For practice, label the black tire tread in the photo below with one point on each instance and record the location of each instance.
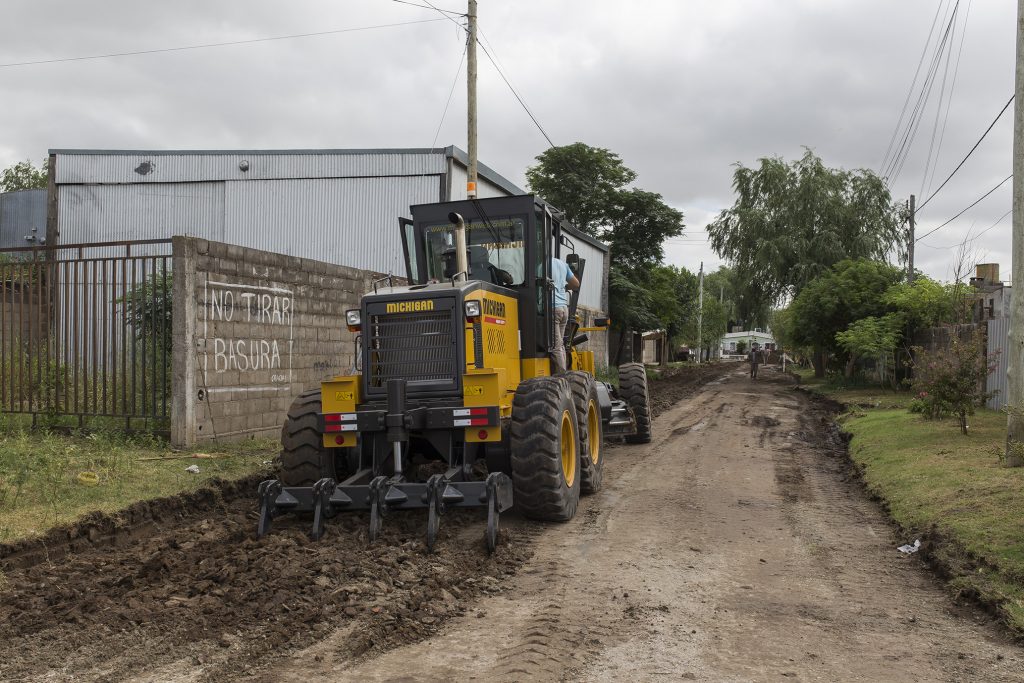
(304, 459)
(538, 483)
(633, 387)
(583, 390)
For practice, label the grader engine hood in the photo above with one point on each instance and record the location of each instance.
(416, 334)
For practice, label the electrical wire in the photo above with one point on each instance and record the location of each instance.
(976, 202)
(970, 239)
(209, 45)
(451, 92)
(964, 160)
(949, 100)
(928, 165)
(910, 91)
(907, 141)
(428, 6)
(520, 99)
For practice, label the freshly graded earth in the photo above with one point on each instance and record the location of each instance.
(735, 547)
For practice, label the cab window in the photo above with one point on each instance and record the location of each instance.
(497, 250)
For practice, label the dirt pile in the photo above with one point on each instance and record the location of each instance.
(208, 590)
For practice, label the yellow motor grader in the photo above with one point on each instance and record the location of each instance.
(453, 401)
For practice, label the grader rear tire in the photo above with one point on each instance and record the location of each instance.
(304, 459)
(633, 387)
(545, 450)
(590, 430)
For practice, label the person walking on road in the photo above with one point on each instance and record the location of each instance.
(563, 279)
(754, 358)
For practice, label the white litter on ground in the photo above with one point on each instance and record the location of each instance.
(908, 549)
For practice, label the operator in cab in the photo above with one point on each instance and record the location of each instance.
(563, 279)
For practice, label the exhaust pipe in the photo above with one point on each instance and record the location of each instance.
(461, 263)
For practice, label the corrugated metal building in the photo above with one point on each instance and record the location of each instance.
(339, 206)
(22, 218)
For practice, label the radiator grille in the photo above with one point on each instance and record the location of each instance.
(417, 347)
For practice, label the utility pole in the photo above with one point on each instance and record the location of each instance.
(471, 100)
(700, 312)
(910, 245)
(1015, 380)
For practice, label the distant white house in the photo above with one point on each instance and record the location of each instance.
(731, 340)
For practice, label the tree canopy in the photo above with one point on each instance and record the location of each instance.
(582, 181)
(23, 176)
(590, 185)
(792, 221)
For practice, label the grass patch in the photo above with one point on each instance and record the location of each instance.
(48, 479)
(949, 488)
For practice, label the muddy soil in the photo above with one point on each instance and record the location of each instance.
(734, 547)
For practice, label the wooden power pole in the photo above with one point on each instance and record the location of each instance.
(700, 312)
(1015, 378)
(910, 244)
(471, 101)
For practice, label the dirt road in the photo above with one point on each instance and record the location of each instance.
(733, 548)
(730, 549)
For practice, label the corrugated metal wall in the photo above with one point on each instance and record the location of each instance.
(176, 167)
(108, 213)
(348, 221)
(22, 213)
(998, 340)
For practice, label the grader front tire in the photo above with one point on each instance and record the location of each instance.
(545, 454)
(591, 430)
(304, 459)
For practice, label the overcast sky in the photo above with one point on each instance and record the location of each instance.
(680, 89)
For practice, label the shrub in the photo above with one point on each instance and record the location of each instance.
(952, 380)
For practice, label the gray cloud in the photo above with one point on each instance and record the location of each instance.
(681, 90)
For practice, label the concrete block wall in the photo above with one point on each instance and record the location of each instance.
(253, 330)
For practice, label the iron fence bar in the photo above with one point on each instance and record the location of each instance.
(134, 333)
(166, 338)
(140, 320)
(66, 333)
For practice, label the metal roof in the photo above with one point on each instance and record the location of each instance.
(372, 161)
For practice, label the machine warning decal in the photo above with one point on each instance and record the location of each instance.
(495, 308)
(472, 390)
(343, 396)
(410, 306)
(496, 321)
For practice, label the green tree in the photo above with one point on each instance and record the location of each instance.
(874, 337)
(673, 296)
(792, 221)
(847, 292)
(23, 176)
(589, 185)
(582, 181)
(925, 303)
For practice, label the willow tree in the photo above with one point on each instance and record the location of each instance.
(792, 221)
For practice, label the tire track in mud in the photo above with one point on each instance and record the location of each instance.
(179, 589)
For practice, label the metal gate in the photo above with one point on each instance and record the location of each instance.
(998, 342)
(85, 334)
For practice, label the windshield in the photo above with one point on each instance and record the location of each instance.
(496, 250)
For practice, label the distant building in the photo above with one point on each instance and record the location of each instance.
(731, 341)
(991, 296)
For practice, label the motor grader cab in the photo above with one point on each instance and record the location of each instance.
(453, 402)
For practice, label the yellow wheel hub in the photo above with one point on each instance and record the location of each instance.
(593, 432)
(568, 449)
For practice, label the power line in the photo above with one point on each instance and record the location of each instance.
(503, 77)
(910, 91)
(970, 239)
(937, 190)
(209, 45)
(949, 100)
(906, 143)
(429, 6)
(455, 82)
(976, 202)
(520, 99)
